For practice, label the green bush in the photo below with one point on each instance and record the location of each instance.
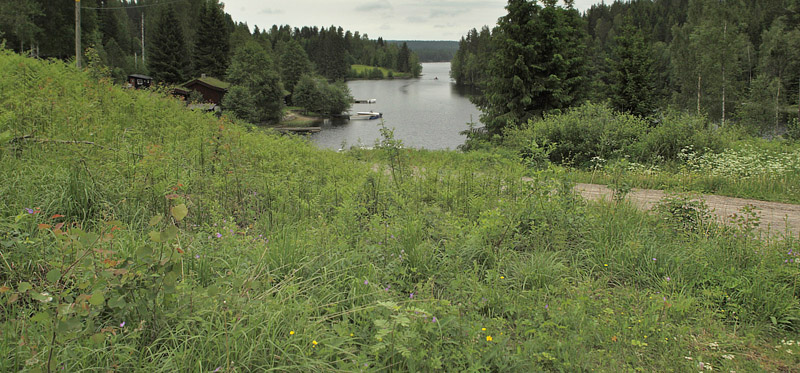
(581, 134)
(595, 131)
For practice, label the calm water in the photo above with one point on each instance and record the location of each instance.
(425, 112)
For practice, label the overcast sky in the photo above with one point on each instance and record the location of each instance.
(391, 19)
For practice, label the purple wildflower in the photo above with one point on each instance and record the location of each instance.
(654, 259)
(366, 282)
(668, 279)
(219, 235)
(434, 319)
(546, 306)
(411, 296)
(30, 211)
(216, 370)
(197, 256)
(122, 325)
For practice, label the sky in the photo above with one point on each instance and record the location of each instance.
(390, 19)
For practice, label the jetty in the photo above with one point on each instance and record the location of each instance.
(298, 130)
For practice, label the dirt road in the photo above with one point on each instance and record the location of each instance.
(775, 217)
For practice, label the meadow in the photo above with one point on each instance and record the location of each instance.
(136, 235)
(670, 151)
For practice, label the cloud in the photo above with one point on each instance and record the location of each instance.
(448, 12)
(271, 11)
(374, 6)
(445, 26)
(416, 19)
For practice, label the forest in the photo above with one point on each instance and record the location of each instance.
(736, 62)
(198, 37)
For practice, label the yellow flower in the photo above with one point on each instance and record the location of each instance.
(605, 265)
(484, 329)
(488, 338)
(502, 277)
(314, 342)
(351, 334)
(291, 332)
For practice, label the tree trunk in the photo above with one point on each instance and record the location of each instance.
(699, 81)
(724, 40)
(778, 101)
(78, 34)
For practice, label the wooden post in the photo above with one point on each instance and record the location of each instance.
(78, 33)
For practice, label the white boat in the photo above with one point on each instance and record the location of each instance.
(367, 115)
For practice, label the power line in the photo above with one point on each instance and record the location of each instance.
(134, 6)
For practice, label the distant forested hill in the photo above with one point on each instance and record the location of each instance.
(431, 50)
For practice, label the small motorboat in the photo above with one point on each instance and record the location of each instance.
(368, 115)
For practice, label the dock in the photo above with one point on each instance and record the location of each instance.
(298, 130)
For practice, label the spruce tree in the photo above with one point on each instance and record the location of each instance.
(632, 81)
(538, 64)
(168, 60)
(403, 59)
(212, 42)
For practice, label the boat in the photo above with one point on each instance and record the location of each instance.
(367, 115)
(370, 101)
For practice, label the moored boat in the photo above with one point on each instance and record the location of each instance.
(368, 115)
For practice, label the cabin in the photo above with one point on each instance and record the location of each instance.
(138, 81)
(212, 89)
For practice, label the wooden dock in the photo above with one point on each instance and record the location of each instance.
(298, 130)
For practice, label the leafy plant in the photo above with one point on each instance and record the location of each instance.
(684, 212)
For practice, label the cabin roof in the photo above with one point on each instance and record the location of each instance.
(209, 82)
(140, 76)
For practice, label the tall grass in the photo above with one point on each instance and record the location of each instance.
(192, 243)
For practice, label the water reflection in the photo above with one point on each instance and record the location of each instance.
(425, 113)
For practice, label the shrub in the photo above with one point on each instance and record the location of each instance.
(580, 134)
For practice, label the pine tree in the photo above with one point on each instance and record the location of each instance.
(212, 42)
(168, 60)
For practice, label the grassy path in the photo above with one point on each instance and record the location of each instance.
(776, 218)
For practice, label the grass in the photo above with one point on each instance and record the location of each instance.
(189, 242)
(299, 120)
(747, 170)
(364, 70)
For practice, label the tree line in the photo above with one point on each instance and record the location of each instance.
(176, 40)
(734, 61)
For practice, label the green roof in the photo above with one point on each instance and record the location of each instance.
(214, 82)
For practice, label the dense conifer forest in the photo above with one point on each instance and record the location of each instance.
(177, 39)
(734, 61)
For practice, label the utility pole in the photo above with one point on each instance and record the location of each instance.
(78, 33)
(143, 62)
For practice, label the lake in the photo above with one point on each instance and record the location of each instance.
(425, 113)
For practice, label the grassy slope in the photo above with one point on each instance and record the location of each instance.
(299, 259)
